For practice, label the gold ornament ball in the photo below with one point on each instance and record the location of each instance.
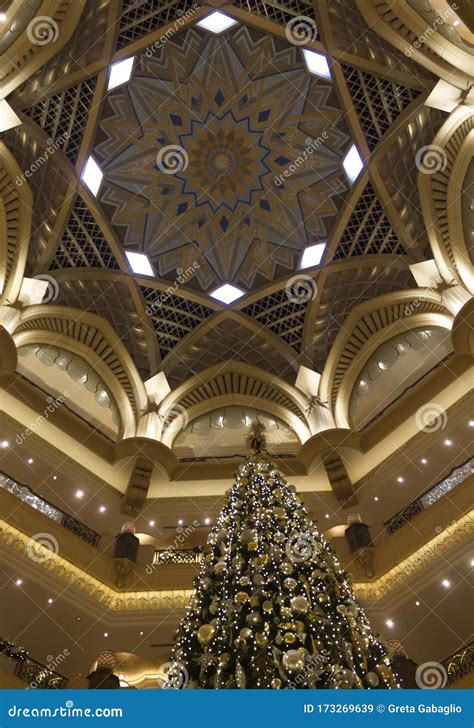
(205, 633)
(252, 546)
(225, 660)
(290, 583)
(241, 597)
(299, 626)
(299, 604)
(245, 633)
(267, 606)
(293, 661)
(261, 639)
(276, 683)
(286, 568)
(322, 598)
(254, 601)
(279, 513)
(289, 638)
(277, 494)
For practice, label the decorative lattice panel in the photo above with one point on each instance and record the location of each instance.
(378, 101)
(283, 316)
(140, 17)
(83, 244)
(352, 35)
(228, 340)
(346, 289)
(113, 301)
(368, 230)
(280, 11)
(83, 49)
(172, 317)
(64, 116)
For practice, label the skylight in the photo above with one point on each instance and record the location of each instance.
(312, 256)
(92, 175)
(227, 293)
(8, 118)
(353, 163)
(316, 63)
(139, 263)
(120, 72)
(217, 22)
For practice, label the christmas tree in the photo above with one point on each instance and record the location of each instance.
(272, 608)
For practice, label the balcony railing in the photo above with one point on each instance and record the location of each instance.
(460, 664)
(18, 663)
(456, 476)
(178, 556)
(28, 496)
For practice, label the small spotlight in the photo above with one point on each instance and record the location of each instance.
(400, 479)
(417, 604)
(102, 509)
(141, 634)
(151, 523)
(106, 634)
(79, 494)
(180, 522)
(207, 521)
(446, 583)
(55, 477)
(30, 461)
(376, 498)
(448, 443)
(78, 619)
(50, 601)
(5, 444)
(390, 623)
(471, 423)
(327, 515)
(423, 461)
(19, 582)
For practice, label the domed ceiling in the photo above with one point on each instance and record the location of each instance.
(222, 160)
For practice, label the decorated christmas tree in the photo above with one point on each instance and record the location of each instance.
(272, 608)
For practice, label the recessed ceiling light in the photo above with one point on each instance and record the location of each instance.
(312, 256)
(120, 72)
(106, 634)
(3, 17)
(141, 634)
(316, 63)
(5, 443)
(151, 523)
(207, 521)
(446, 583)
(390, 623)
(78, 619)
(376, 498)
(102, 509)
(139, 263)
(448, 442)
(79, 494)
(55, 477)
(50, 601)
(227, 293)
(471, 423)
(217, 22)
(353, 163)
(400, 479)
(327, 515)
(423, 461)
(180, 522)
(417, 603)
(92, 175)
(30, 461)
(472, 562)
(19, 582)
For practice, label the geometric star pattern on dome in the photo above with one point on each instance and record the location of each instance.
(241, 109)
